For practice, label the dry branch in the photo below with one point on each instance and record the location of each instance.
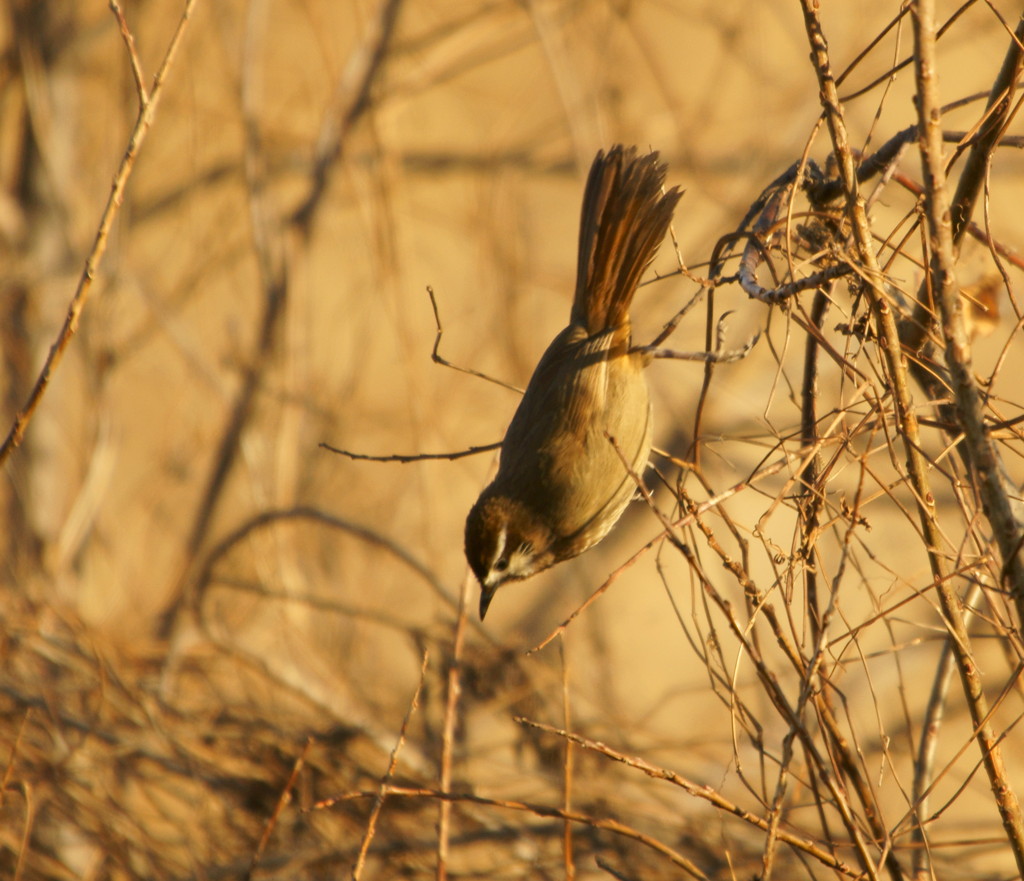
(996, 491)
(147, 112)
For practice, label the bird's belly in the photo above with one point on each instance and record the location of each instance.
(567, 450)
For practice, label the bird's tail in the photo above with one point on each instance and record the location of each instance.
(625, 216)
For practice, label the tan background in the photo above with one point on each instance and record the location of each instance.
(464, 174)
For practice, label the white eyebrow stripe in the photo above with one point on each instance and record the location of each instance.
(499, 549)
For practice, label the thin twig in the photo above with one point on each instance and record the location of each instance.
(605, 823)
(924, 760)
(147, 113)
(906, 62)
(378, 804)
(282, 800)
(997, 117)
(435, 355)
(412, 457)
(718, 355)
(453, 693)
(567, 764)
(698, 790)
(667, 533)
(133, 55)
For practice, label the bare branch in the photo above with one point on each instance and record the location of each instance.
(412, 457)
(994, 488)
(147, 112)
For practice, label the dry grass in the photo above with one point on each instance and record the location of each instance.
(229, 652)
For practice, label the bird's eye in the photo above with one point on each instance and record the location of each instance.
(501, 565)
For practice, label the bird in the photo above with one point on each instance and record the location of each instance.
(562, 480)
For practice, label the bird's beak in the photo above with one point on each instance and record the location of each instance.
(486, 595)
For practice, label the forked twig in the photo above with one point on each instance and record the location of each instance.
(718, 355)
(437, 359)
(133, 55)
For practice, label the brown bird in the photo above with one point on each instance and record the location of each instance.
(561, 484)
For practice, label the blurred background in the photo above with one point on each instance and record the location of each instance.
(197, 594)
